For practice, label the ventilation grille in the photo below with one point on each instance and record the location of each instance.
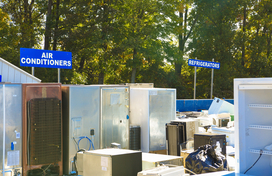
(135, 138)
(44, 131)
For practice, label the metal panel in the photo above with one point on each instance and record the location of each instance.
(139, 114)
(80, 115)
(115, 116)
(152, 109)
(162, 108)
(11, 113)
(17, 76)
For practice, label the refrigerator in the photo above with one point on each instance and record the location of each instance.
(42, 151)
(11, 129)
(253, 125)
(151, 109)
(94, 116)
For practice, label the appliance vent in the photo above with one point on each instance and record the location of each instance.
(44, 131)
(135, 138)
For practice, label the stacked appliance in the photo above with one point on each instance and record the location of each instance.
(180, 135)
(151, 109)
(94, 117)
(11, 129)
(42, 129)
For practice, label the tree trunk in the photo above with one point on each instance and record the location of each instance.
(48, 26)
(101, 78)
(56, 26)
(244, 38)
(133, 75)
(269, 44)
(181, 47)
(134, 66)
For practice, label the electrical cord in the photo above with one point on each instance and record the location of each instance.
(75, 159)
(261, 152)
(80, 150)
(91, 143)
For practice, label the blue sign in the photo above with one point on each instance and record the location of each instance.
(205, 64)
(45, 58)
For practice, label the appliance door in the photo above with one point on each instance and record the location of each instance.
(11, 120)
(115, 116)
(161, 111)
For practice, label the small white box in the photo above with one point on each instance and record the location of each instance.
(164, 171)
(150, 160)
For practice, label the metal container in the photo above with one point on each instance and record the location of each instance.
(151, 160)
(42, 128)
(180, 135)
(93, 114)
(112, 162)
(11, 129)
(152, 109)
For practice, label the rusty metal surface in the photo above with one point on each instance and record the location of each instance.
(44, 125)
(33, 91)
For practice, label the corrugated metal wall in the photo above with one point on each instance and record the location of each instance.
(11, 73)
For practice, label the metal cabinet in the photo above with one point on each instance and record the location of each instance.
(94, 116)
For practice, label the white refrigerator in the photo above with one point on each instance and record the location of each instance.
(253, 125)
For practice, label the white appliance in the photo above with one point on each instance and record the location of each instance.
(164, 171)
(112, 162)
(253, 125)
(151, 160)
(219, 106)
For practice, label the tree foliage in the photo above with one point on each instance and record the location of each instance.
(115, 41)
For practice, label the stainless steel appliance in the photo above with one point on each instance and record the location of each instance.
(11, 129)
(94, 117)
(152, 108)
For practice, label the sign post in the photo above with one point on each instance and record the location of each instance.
(212, 82)
(45, 59)
(195, 83)
(204, 64)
